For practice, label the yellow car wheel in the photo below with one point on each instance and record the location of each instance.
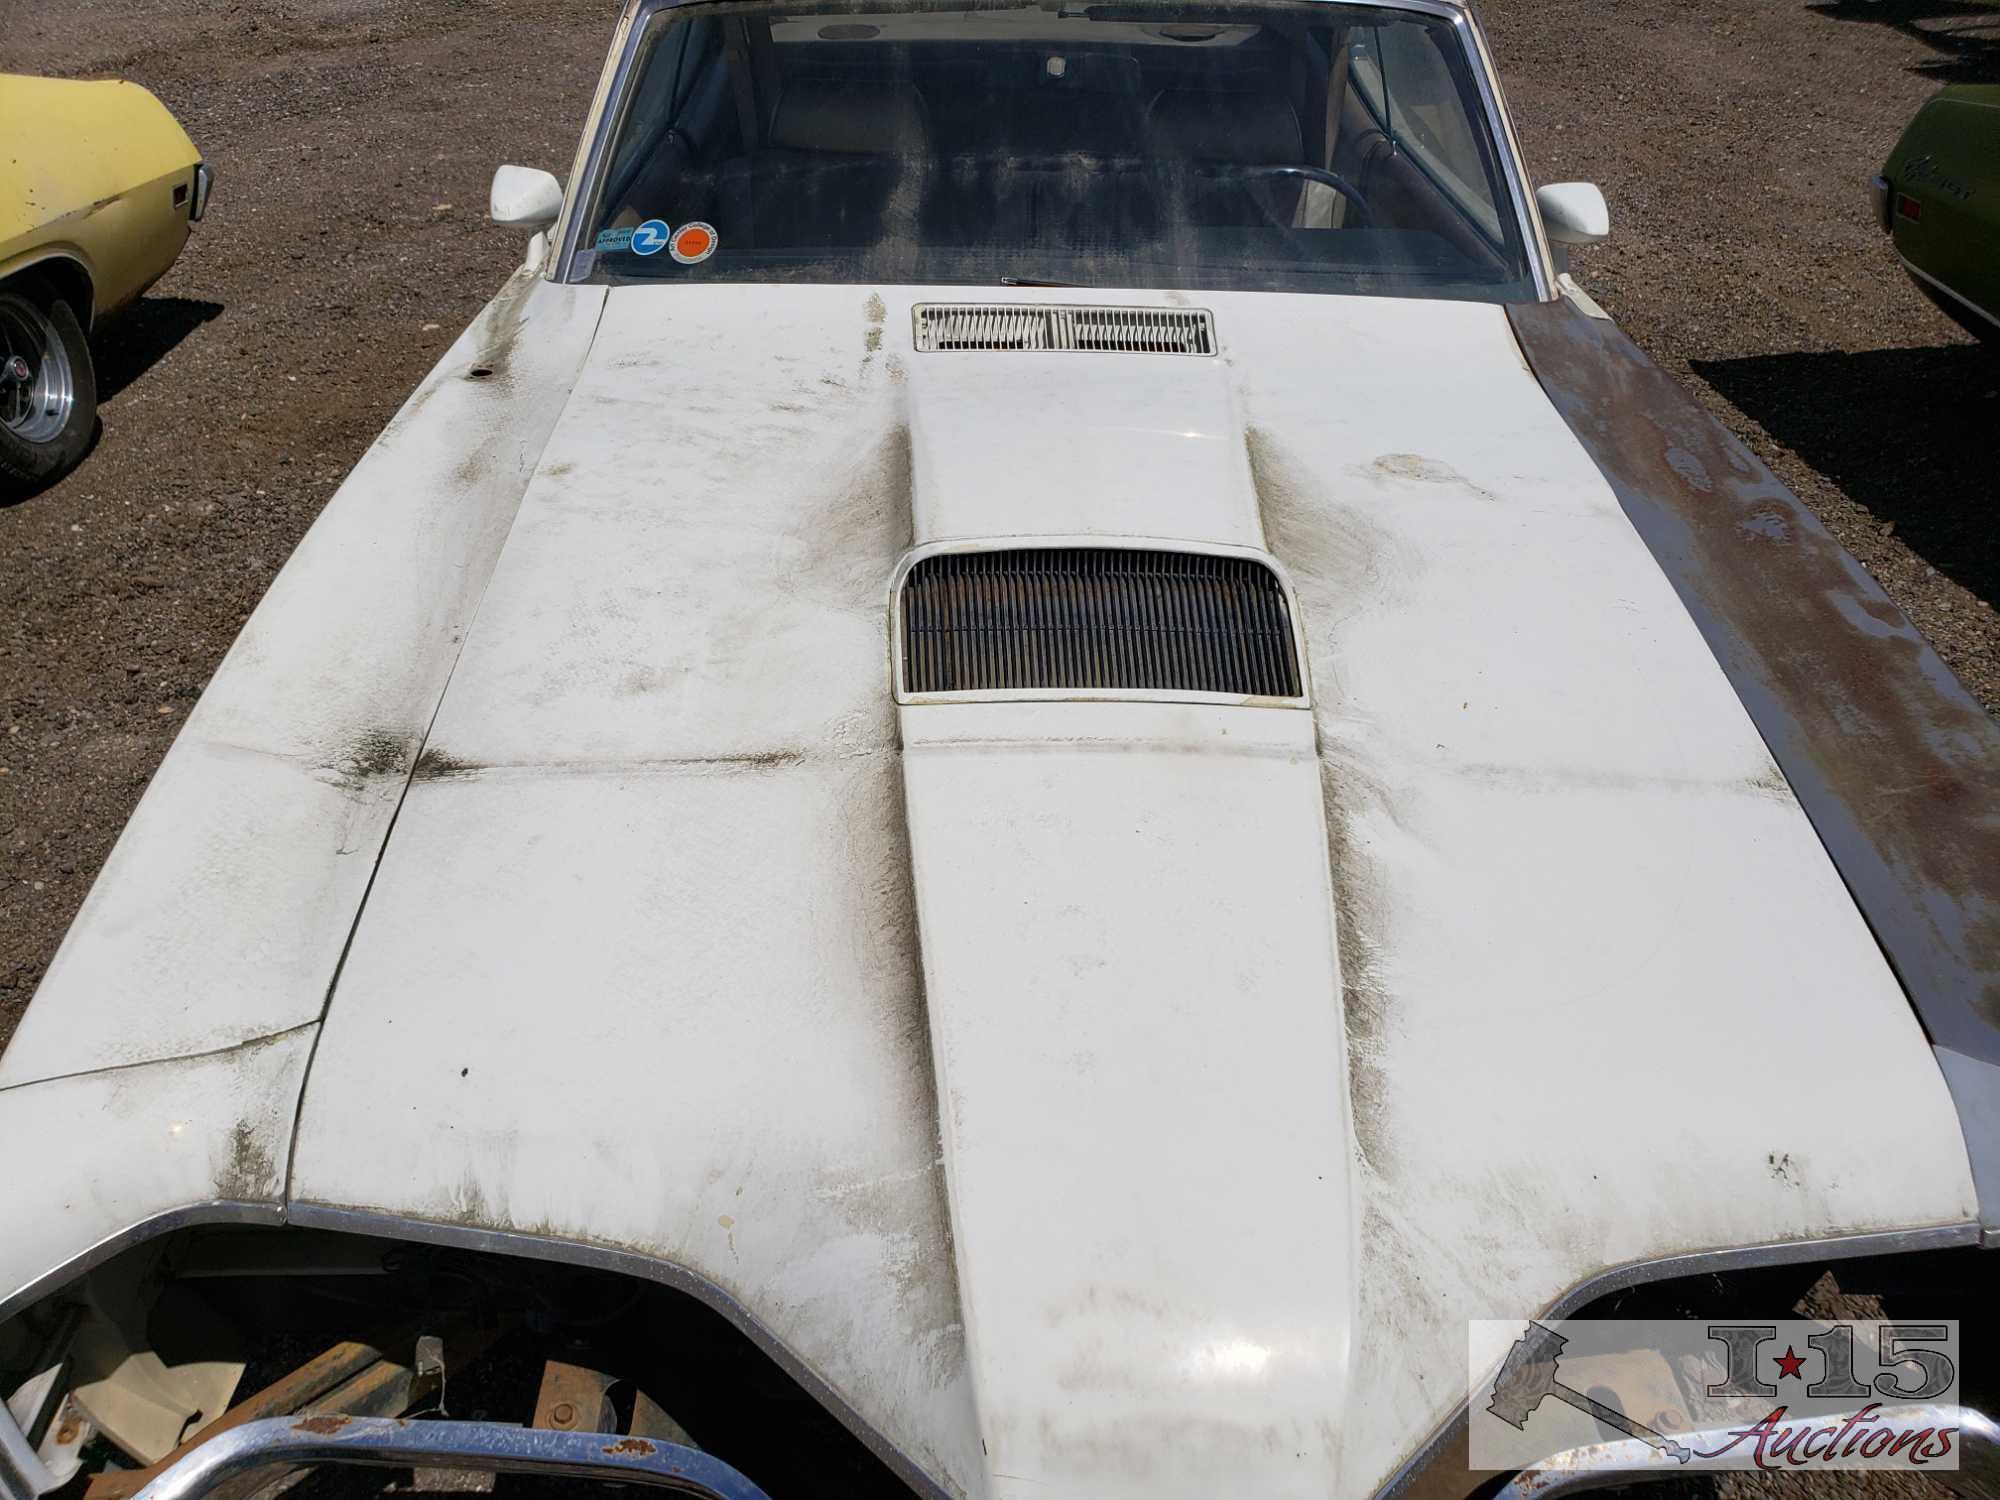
(48, 388)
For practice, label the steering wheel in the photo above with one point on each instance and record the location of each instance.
(1333, 180)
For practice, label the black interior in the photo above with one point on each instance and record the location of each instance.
(1088, 160)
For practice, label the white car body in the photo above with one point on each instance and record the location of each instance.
(1091, 1095)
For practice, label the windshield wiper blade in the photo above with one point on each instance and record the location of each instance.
(1035, 281)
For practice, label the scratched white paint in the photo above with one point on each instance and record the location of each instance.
(671, 1007)
(1570, 861)
(1616, 982)
(101, 1153)
(1132, 445)
(223, 908)
(701, 569)
(677, 786)
(1135, 1007)
(640, 969)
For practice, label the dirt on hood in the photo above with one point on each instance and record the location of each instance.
(353, 142)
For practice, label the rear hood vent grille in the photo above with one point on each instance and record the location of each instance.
(1012, 326)
(1096, 619)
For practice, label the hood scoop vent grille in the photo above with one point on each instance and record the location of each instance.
(1063, 621)
(997, 327)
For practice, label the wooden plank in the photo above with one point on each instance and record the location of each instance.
(384, 1389)
(322, 1373)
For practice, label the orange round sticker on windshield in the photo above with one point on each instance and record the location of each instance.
(692, 243)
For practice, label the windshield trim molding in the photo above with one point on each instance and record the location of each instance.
(580, 202)
(593, 155)
(1513, 164)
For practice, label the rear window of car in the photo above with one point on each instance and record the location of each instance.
(1297, 147)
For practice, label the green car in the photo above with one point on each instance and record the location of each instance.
(1939, 197)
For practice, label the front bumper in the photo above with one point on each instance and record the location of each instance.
(495, 1447)
(1879, 198)
(1630, 1461)
(489, 1447)
(23, 1475)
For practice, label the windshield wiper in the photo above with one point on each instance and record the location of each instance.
(1035, 281)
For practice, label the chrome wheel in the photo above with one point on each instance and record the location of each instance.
(37, 381)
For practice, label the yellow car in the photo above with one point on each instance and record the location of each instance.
(98, 186)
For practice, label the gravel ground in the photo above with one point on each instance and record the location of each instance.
(1734, 141)
(353, 142)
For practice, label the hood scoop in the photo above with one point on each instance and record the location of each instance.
(1096, 621)
(1000, 327)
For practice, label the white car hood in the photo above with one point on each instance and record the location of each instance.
(1104, 1098)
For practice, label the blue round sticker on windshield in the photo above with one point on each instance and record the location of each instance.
(651, 237)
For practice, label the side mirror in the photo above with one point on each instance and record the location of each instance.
(1574, 213)
(525, 198)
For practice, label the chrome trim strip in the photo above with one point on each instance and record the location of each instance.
(1500, 123)
(1773, 1253)
(1604, 1465)
(1668, 1267)
(490, 1447)
(189, 1216)
(627, 1263)
(596, 141)
(41, 255)
(664, 1273)
(1258, 555)
(23, 1475)
(1958, 297)
(1798, 633)
(959, 327)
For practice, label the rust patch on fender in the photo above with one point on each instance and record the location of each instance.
(631, 1447)
(1895, 763)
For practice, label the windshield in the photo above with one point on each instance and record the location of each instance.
(1299, 147)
